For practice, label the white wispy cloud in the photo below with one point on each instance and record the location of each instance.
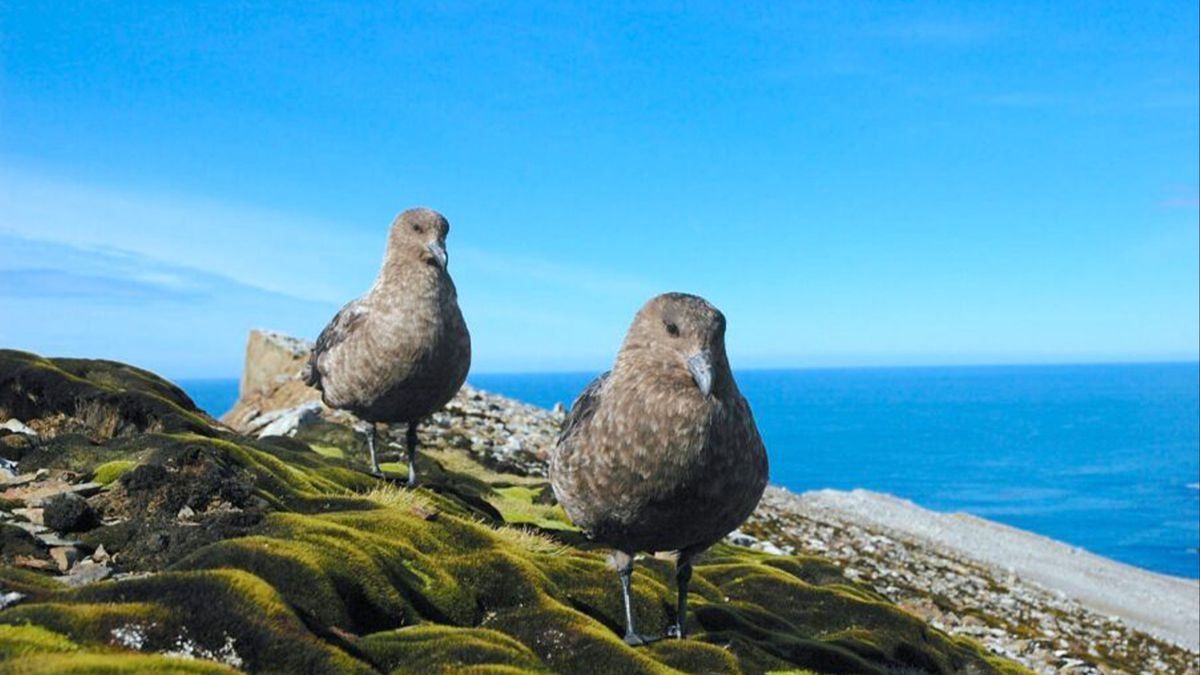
(175, 281)
(58, 299)
(256, 247)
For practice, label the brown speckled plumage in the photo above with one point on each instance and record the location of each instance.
(648, 459)
(402, 350)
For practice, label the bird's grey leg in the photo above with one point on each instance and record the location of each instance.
(371, 447)
(411, 440)
(683, 574)
(625, 570)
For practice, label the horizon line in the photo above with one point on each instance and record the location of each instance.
(916, 366)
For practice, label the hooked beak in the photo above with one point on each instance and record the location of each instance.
(700, 366)
(438, 250)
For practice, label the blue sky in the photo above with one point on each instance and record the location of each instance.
(853, 184)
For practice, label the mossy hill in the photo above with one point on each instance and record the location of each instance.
(283, 555)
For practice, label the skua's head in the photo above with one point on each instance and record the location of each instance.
(419, 234)
(679, 336)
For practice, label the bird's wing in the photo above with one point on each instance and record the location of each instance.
(583, 408)
(343, 322)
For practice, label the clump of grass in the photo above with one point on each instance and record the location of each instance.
(393, 497)
(530, 540)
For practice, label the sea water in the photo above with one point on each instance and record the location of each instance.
(1105, 457)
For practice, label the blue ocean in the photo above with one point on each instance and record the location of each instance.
(1106, 457)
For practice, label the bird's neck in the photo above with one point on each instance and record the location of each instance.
(650, 371)
(409, 278)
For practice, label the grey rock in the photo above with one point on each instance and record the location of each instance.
(50, 539)
(11, 598)
(80, 489)
(17, 427)
(287, 422)
(86, 573)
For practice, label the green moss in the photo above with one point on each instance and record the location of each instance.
(517, 504)
(224, 612)
(447, 649)
(90, 663)
(109, 472)
(475, 570)
(328, 451)
(27, 581)
(465, 462)
(87, 623)
(693, 657)
(569, 641)
(18, 641)
(364, 571)
(396, 469)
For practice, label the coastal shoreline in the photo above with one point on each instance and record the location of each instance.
(1164, 606)
(1050, 606)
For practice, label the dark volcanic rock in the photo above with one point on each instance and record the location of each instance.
(69, 512)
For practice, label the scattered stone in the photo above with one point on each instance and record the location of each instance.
(31, 528)
(10, 598)
(100, 555)
(86, 573)
(739, 538)
(185, 514)
(30, 562)
(51, 539)
(44, 488)
(1045, 631)
(17, 427)
(18, 481)
(64, 557)
(69, 512)
(287, 422)
(34, 516)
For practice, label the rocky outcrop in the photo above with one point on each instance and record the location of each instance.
(271, 383)
(503, 434)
